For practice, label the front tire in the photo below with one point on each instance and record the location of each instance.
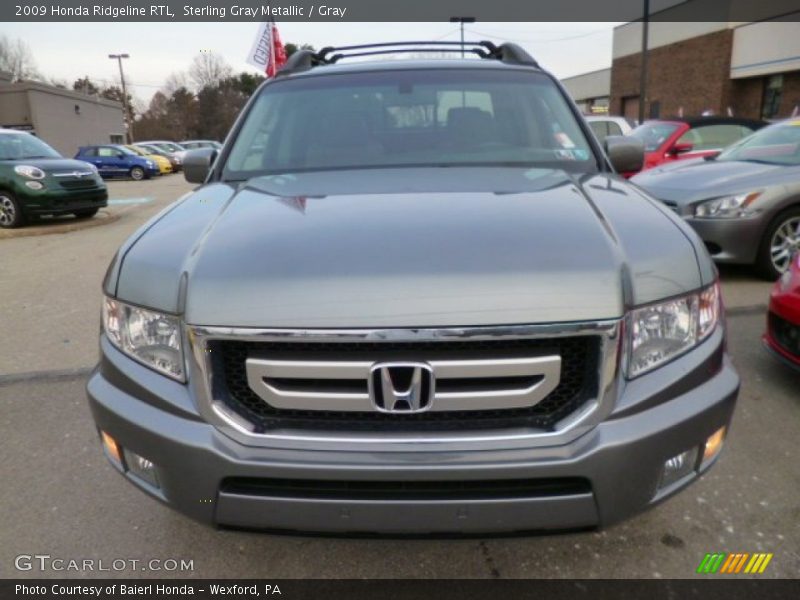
(137, 173)
(781, 240)
(10, 212)
(86, 214)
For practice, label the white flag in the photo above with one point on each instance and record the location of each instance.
(259, 55)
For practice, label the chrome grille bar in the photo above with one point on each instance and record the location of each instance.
(482, 384)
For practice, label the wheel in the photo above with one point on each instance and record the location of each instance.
(137, 173)
(10, 213)
(780, 242)
(86, 213)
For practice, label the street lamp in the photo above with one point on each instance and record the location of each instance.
(128, 119)
(462, 20)
(643, 69)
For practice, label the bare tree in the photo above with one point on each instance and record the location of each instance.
(174, 82)
(208, 69)
(16, 58)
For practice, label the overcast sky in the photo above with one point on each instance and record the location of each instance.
(66, 51)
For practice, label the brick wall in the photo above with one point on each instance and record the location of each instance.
(747, 96)
(693, 74)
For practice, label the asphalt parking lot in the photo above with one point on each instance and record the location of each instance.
(60, 498)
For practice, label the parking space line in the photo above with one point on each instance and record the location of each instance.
(142, 200)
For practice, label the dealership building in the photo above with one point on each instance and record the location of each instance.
(744, 69)
(64, 119)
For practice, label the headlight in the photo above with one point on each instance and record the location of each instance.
(149, 163)
(29, 171)
(660, 332)
(92, 168)
(726, 207)
(150, 337)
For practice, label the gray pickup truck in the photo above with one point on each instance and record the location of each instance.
(412, 297)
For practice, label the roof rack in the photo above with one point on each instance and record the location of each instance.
(509, 53)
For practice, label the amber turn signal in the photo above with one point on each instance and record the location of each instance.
(714, 444)
(111, 446)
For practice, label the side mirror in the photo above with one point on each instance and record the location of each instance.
(681, 148)
(625, 153)
(120, 155)
(197, 164)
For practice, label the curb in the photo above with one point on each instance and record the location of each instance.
(60, 226)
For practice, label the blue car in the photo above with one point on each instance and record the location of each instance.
(114, 160)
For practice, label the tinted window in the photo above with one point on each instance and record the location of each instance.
(714, 137)
(89, 152)
(168, 146)
(613, 128)
(600, 129)
(401, 118)
(777, 144)
(653, 134)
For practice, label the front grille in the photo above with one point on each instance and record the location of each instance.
(406, 490)
(578, 382)
(785, 334)
(78, 184)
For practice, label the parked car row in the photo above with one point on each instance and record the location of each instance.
(140, 160)
(35, 180)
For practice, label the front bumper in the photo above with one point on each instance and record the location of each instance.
(658, 416)
(54, 201)
(734, 241)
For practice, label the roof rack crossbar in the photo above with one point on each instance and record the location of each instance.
(303, 60)
(322, 54)
(477, 51)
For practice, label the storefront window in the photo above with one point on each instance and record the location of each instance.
(772, 97)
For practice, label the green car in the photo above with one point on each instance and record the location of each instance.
(36, 180)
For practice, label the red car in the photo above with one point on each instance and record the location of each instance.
(783, 319)
(666, 140)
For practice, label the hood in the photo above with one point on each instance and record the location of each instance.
(53, 165)
(685, 182)
(404, 248)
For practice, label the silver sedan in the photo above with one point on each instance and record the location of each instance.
(745, 203)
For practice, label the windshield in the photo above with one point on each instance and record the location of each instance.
(152, 150)
(169, 146)
(409, 118)
(653, 134)
(137, 151)
(15, 146)
(777, 144)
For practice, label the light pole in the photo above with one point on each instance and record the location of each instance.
(126, 108)
(461, 21)
(643, 72)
